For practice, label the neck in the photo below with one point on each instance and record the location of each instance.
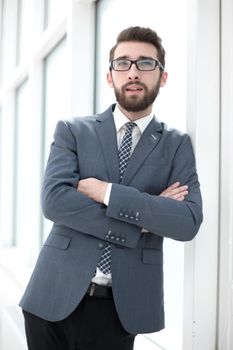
(135, 115)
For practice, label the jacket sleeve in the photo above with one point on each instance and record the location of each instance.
(63, 204)
(159, 215)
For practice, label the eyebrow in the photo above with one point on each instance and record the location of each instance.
(139, 58)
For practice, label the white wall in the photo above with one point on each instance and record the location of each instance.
(225, 321)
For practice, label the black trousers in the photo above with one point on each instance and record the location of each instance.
(94, 325)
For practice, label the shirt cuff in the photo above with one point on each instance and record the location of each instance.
(107, 194)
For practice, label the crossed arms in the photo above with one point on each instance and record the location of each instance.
(77, 203)
(95, 189)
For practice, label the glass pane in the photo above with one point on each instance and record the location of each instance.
(55, 95)
(54, 10)
(170, 107)
(24, 30)
(23, 166)
(9, 37)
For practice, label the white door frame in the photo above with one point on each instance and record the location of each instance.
(203, 124)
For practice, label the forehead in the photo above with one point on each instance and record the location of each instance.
(135, 49)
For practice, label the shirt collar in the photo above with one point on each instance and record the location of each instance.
(120, 119)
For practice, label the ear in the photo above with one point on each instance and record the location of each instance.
(109, 79)
(163, 79)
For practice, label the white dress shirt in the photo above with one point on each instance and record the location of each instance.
(120, 120)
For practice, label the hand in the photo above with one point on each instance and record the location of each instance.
(93, 188)
(175, 191)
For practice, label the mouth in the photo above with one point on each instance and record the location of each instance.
(134, 89)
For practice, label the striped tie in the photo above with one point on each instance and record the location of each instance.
(124, 154)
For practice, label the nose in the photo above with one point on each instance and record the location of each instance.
(133, 73)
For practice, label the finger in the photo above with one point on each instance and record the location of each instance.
(176, 184)
(180, 199)
(172, 187)
(175, 191)
(180, 195)
(169, 189)
(180, 189)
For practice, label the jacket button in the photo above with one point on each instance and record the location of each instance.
(123, 240)
(101, 245)
(108, 234)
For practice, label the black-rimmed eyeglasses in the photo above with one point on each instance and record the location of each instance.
(144, 64)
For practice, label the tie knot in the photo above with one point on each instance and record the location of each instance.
(130, 126)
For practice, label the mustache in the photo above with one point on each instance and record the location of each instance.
(134, 83)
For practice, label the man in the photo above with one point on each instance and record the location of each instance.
(116, 183)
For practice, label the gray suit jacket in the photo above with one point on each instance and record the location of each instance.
(87, 147)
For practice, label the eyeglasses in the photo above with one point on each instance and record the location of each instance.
(144, 64)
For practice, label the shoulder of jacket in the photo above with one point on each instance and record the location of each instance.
(174, 137)
(172, 132)
(88, 119)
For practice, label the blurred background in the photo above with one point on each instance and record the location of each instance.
(53, 65)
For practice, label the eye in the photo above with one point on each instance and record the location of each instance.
(122, 63)
(146, 64)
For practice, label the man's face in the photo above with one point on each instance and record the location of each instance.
(136, 90)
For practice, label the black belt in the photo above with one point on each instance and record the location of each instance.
(98, 291)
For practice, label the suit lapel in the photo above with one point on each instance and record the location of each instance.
(148, 141)
(106, 131)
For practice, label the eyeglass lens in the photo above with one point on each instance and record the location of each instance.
(142, 64)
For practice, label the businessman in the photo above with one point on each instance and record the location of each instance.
(115, 185)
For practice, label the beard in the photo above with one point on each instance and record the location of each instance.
(136, 103)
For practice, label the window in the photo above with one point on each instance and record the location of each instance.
(53, 10)
(9, 38)
(23, 169)
(24, 30)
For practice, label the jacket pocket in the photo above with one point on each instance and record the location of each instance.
(58, 241)
(152, 256)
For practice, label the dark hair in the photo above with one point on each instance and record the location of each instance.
(140, 34)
